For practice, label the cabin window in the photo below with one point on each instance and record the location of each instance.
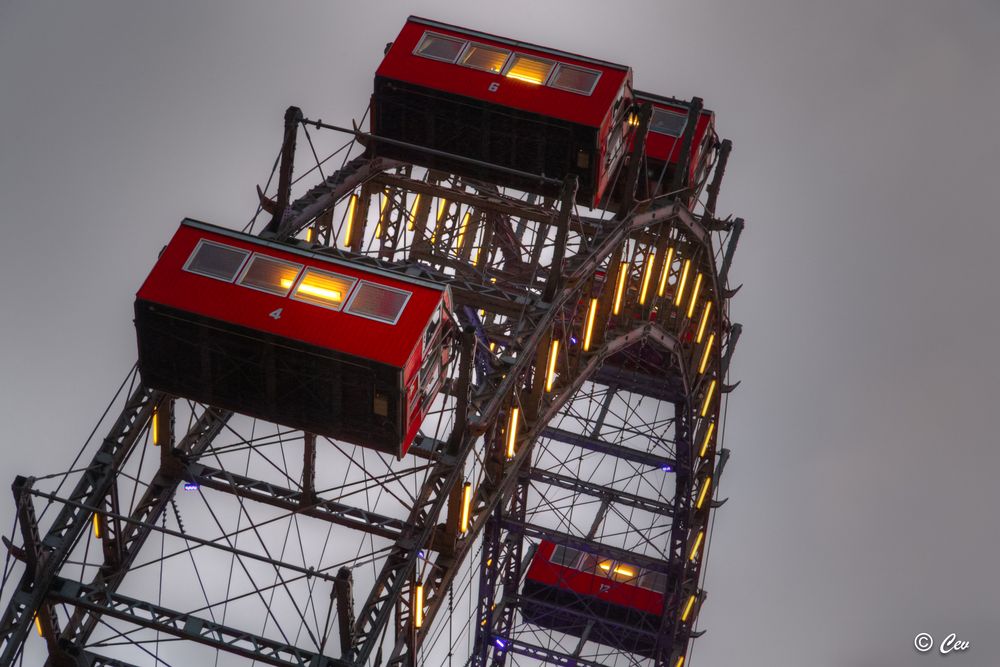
(378, 302)
(617, 570)
(484, 57)
(270, 275)
(215, 260)
(654, 581)
(323, 288)
(527, 68)
(565, 556)
(575, 79)
(667, 122)
(439, 47)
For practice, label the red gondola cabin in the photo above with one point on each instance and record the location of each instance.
(564, 588)
(664, 140)
(292, 336)
(501, 102)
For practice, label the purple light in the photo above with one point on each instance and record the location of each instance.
(572, 340)
(666, 468)
(190, 486)
(500, 643)
(420, 554)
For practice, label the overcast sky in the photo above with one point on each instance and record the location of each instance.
(863, 507)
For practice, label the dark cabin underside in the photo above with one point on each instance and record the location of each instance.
(496, 135)
(277, 379)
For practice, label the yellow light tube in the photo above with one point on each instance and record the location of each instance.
(683, 282)
(413, 213)
(321, 292)
(703, 493)
(550, 374)
(680, 662)
(381, 214)
(687, 609)
(524, 77)
(694, 296)
(463, 520)
(512, 432)
(708, 398)
(624, 570)
(461, 231)
(155, 427)
(708, 438)
(588, 329)
(605, 565)
(704, 321)
(418, 606)
(706, 353)
(97, 526)
(442, 206)
(647, 273)
(349, 225)
(665, 272)
(697, 545)
(620, 288)
(38, 626)
(309, 235)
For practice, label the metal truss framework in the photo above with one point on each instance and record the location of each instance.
(583, 406)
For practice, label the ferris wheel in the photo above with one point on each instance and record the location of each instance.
(454, 396)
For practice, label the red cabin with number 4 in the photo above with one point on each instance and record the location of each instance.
(565, 588)
(293, 336)
(501, 103)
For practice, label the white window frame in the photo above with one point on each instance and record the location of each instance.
(204, 242)
(431, 33)
(343, 302)
(470, 44)
(514, 54)
(357, 290)
(246, 268)
(559, 65)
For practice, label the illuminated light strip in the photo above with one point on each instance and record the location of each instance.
(708, 439)
(704, 321)
(687, 609)
(708, 398)
(680, 662)
(475, 256)
(524, 77)
(665, 272)
(624, 570)
(680, 286)
(704, 492)
(442, 205)
(551, 372)
(155, 427)
(381, 214)
(463, 520)
(694, 296)
(97, 526)
(418, 606)
(512, 432)
(413, 213)
(309, 235)
(38, 626)
(321, 292)
(620, 288)
(705, 354)
(697, 545)
(589, 328)
(350, 220)
(461, 231)
(646, 275)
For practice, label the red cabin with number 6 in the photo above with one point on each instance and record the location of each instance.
(293, 336)
(501, 103)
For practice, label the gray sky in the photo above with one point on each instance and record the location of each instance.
(862, 487)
